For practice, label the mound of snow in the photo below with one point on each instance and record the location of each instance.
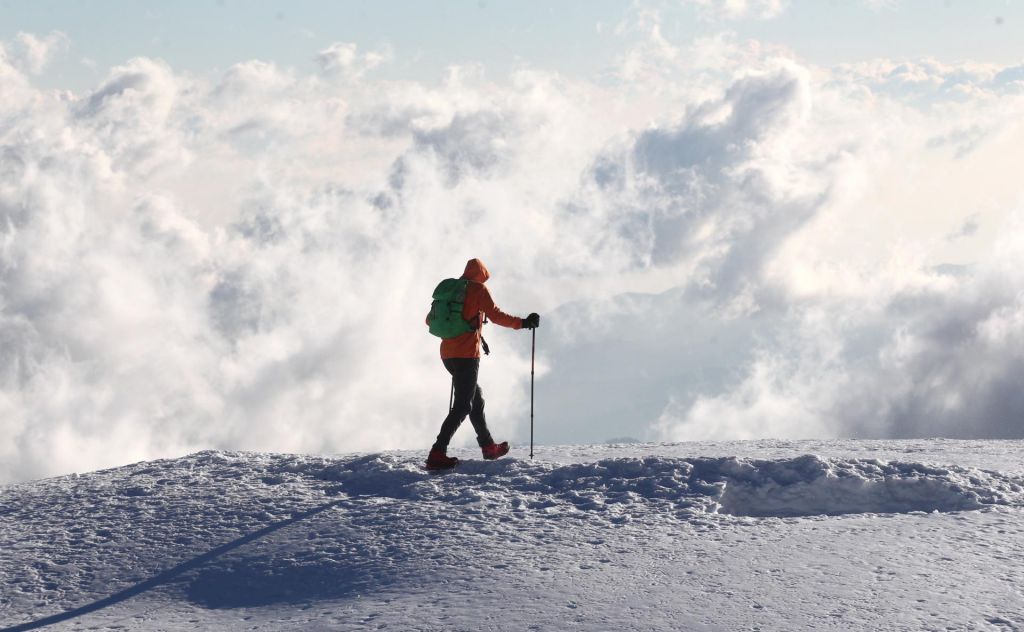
(811, 486)
(801, 486)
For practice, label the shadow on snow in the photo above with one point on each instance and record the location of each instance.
(173, 573)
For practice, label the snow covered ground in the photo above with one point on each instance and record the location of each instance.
(844, 535)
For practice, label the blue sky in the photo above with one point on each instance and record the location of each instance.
(576, 37)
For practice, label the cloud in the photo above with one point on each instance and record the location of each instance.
(891, 341)
(937, 360)
(189, 264)
(715, 192)
(967, 229)
(131, 116)
(757, 247)
(30, 54)
(929, 82)
(740, 9)
(474, 142)
(342, 59)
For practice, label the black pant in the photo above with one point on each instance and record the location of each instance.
(468, 400)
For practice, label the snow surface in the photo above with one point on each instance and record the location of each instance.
(864, 535)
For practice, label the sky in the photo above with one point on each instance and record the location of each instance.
(576, 37)
(220, 222)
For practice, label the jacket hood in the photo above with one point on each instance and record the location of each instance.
(476, 271)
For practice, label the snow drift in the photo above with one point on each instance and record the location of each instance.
(802, 486)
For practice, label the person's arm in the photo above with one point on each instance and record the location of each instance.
(494, 312)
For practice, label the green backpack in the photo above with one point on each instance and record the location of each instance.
(445, 317)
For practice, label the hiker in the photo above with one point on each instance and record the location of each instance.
(461, 357)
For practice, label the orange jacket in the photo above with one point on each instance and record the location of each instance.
(478, 304)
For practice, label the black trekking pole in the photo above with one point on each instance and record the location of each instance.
(451, 400)
(533, 355)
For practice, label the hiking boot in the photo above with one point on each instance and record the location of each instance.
(438, 460)
(495, 450)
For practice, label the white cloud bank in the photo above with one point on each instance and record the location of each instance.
(245, 263)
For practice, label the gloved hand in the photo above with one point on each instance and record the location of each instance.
(532, 321)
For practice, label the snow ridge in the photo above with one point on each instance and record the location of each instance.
(802, 486)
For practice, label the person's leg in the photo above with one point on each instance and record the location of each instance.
(479, 421)
(464, 373)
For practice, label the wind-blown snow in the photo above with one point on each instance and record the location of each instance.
(632, 537)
